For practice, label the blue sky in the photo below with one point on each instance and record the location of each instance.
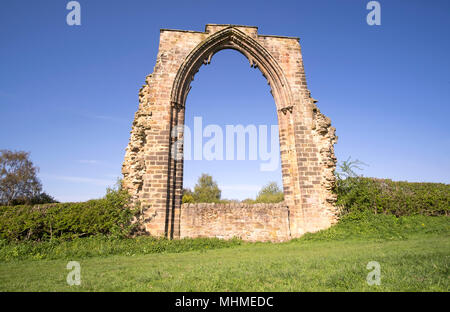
(68, 93)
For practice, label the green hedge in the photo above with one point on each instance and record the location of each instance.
(107, 216)
(356, 194)
(111, 216)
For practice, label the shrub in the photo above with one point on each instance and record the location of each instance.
(187, 199)
(188, 196)
(206, 190)
(110, 215)
(388, 197)
(383, 196)
(42, 198)
(270, 193)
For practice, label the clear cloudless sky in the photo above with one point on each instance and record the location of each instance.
(68, 94)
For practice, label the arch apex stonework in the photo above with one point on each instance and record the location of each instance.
(231, 37)
(155, 178)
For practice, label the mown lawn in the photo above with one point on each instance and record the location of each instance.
(414, 256)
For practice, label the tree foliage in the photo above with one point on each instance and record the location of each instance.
(111, 215)
(399, 198)
(270, 193)
(206, 190)
(188, 196)
(356, 193)
(18, 178)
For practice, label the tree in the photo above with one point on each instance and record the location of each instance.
(187, 196)
(39, 199)
(18, 180)
(206, 190)
(270, 193)
(43, 198)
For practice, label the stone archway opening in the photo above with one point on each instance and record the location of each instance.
(231, 128)
(231, 117)
(154, 176)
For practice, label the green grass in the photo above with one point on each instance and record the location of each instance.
(413, 253)
(104, 246)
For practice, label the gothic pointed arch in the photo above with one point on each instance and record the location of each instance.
(154, 177)
(231, 38)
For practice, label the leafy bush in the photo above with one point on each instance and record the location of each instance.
(42, 198)
(388, 197)
(270, 193)
(358, 194)
(110, 215)
(188, 196)
(205, 191)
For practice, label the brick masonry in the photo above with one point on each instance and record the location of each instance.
(154, 177)
(250, 222)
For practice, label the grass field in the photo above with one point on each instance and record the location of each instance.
(413, 253)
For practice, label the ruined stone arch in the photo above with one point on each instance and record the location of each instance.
(154, 177)
(231, 38)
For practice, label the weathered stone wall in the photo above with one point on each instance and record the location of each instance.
(250, 222)
(154, 176)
